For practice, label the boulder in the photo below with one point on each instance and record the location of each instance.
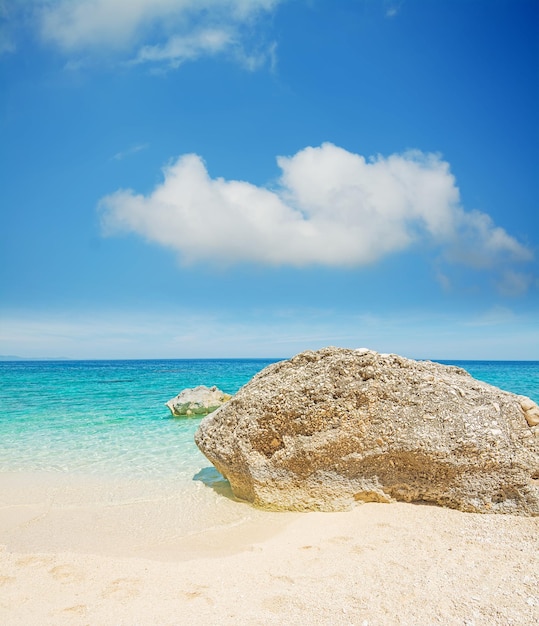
(327, 429)
(197, 401)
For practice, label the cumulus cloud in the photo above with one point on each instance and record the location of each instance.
(330, 207)
(480, 242)
(163, 32)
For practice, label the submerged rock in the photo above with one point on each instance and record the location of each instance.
(197, 401)
(330, 428)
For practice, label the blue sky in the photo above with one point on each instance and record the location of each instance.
(244, 178)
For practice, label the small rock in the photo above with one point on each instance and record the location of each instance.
(197, 401)
(527, 403)
(530, 409)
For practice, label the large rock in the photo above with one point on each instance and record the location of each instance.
(330, 428)
(197, 401)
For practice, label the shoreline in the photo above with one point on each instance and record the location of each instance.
(153, 518)
(86, 550)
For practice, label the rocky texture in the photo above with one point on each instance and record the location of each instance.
(197, 401)
(333, 427)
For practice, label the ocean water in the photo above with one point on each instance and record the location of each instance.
(106, 417)
(109, 418)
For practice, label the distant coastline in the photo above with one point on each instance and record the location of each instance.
(12, 357)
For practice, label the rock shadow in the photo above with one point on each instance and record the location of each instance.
(213, 479)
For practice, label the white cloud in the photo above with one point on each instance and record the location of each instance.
(330, 207)
(497, 316)
(392, 7)
(480, 242)
(7, 45)
(9, 13)
(179, 49)
(164, 32)
(120, 156)
(513, 283)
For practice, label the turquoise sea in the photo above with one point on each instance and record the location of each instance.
(109, 417)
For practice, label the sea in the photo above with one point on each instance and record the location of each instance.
(108, 418)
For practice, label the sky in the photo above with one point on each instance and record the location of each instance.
(254, 178)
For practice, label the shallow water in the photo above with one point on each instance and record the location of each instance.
(106, 417)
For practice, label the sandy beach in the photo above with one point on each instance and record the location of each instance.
(85, 551)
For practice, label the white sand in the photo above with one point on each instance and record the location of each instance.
(78, 551)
